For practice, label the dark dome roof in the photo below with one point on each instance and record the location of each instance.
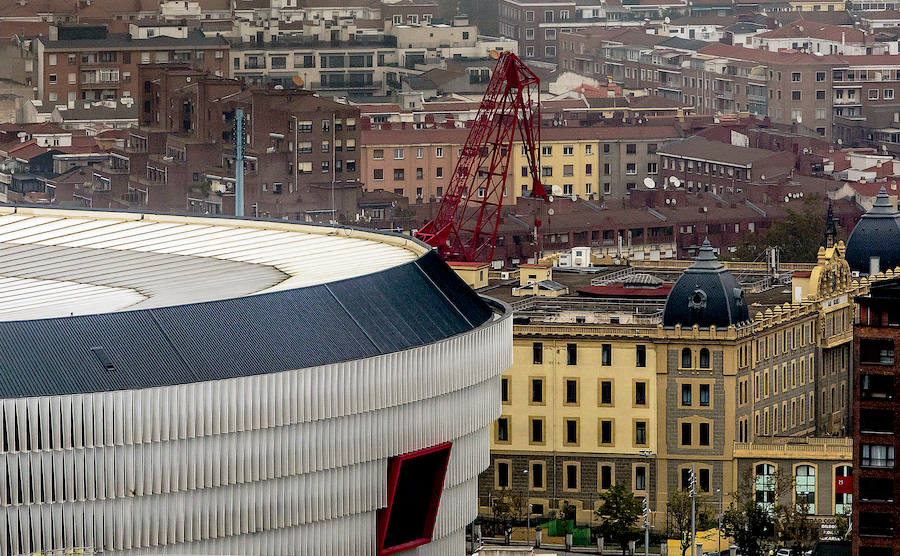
(706, 295)
(877, 234)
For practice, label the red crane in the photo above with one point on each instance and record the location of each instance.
(465, 228)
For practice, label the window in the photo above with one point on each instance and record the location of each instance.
(704, 395)
(377, 154)
(537, 390)
(588, 149)
(764, 485)
(51, 59)
(568, 170)
(805, 481)
(606, 431)
(571, 391)
(378, 174)
(630, 148)
(504, 390)
(547, 171)
(873, 94)
(529, 16)
(537, 475)
(52, 78)
(439, 172)
(704, 358)
(503, 429)
(537, 353)
(640, 393)
(795, 95)
(568, 150)
(606, 476)
(606, 168)
(820, 94)
(703, 476)
(640, 477)
(686, 434)
(686, 394)
(571, 354)
(653, 168)
(640, 432)
(877, 455)
(588, 169)
(843, 500)
(439, 152)
(550, 51)
(631, 168)
(795, 77)
(820, 76)
(419, 152)
(704, 434)
(502, 471)
(888, 94)
(606, 355)
(399, 174)
(820, 113)
(572, 479)
(606, 392)
(686, 358)
(571, 427)
(398, 154)
(537, 430)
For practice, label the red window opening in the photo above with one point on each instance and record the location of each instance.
(415, 482)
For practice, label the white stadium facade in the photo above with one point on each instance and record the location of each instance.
(221, 386)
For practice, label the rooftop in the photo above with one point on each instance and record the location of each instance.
(85, 262)
(699, 147)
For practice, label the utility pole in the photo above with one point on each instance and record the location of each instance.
(693, 513)
(239, 162)
(647, 453)
(527, 508)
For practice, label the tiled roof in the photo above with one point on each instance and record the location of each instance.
(699, 147)
(808, 29)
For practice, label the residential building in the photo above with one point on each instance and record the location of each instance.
(603, 162)
(640, 392)
(821, 38)
(706, 27)
(89, 63)
(875, 341)
(302, 150)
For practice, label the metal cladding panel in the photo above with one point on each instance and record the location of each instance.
(455, 288)
(388, 311)
(53, 356)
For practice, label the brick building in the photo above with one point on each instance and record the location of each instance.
(89, 63)
(301, 152)
(875, 394)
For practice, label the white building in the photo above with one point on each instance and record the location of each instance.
(200, 385)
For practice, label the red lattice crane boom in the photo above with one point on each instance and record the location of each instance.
(465, 228)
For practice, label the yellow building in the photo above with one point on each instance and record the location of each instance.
(818, 6)
(605, 393)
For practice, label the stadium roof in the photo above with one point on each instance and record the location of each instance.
(325, 295)
(59, 263)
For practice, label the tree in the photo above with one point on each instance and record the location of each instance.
(748, 522)
(508, 508)
(567, 511)
(679, 510)
(798, 235)
(794, 528)
(842, 525)
(618, 512)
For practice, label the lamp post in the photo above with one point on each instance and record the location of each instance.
(693, 482)
(647, 454)
(527, 508)
(719, 528)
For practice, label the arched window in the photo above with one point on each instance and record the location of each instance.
(843, 498)
(704, 358)
(686, 358)
(765, 486)
(833, 400)
(805, 480)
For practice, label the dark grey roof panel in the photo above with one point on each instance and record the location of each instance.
(877, 234)
(398, 308)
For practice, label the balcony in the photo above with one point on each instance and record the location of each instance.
(92, 84)
(345, 84)
(847, 102)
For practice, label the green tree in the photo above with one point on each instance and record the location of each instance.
(618, 512)
(567, 511)
(679, 520)
(508, 508)
(794, 528)
(842, 525)
(798, 235)
(749, 523)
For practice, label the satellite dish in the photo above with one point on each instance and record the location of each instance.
(495, 54)
(668, 201)
(298, 81)
(550, 212)
(557, 190)
(884, 148)
(786, 198)
(672, 180)
(799, 119)
(674, 201)
(668, 20)
(763, 177)
(840, 141)
(574, 197)
(550, 199)
(649, 183)
(676, 182)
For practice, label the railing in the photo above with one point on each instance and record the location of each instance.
(345, 85)
(833, 447)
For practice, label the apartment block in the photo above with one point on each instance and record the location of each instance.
(875, 487)
(89, 63)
